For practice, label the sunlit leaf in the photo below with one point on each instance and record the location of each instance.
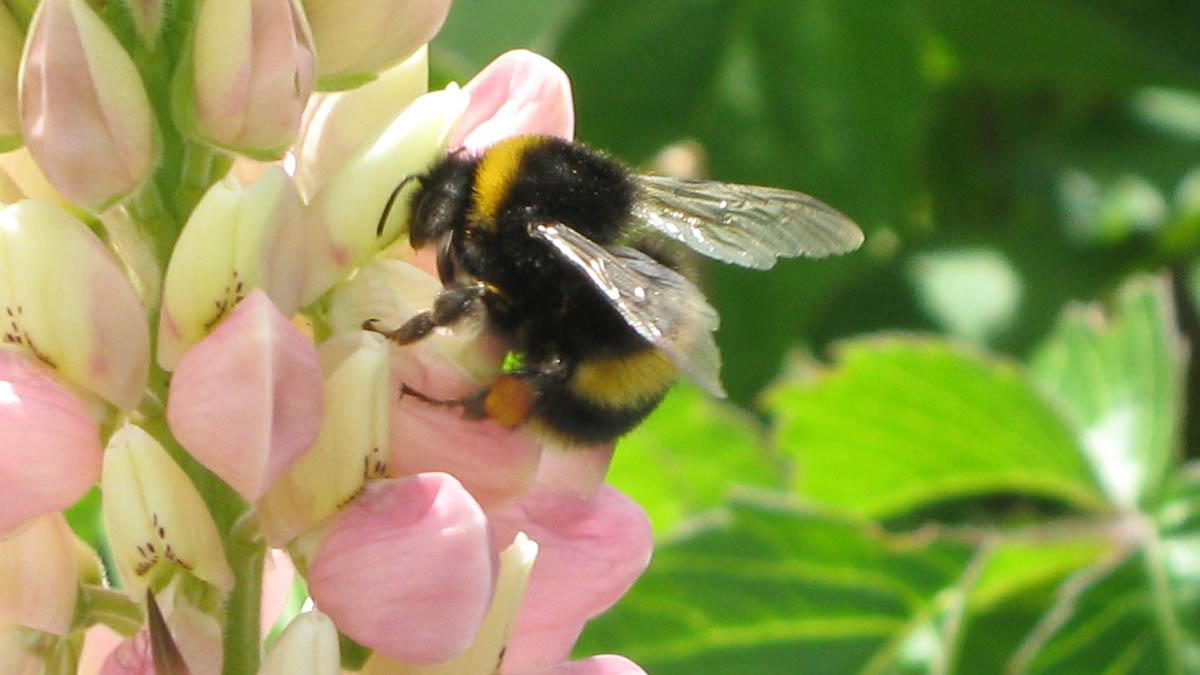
(1119, 379)
(767, 587)
(899, 423)
(685, 457)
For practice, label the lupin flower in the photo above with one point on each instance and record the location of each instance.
(236, 240)
(156, 521)
(85, 114)
(375, 35)
(251, 433)
(252, 69)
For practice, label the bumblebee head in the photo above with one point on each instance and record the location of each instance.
(440, 203)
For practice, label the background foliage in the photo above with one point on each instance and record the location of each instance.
(935, 460)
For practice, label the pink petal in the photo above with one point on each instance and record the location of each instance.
(597, 665)
(495, 464)
(39, 576)
(197, 634)
(49, 448)
(98, 643)
(518, 93)
(278, 575)
(577, 470)
(131, 657)
(246, 400)
(408, 568)
(591, 551)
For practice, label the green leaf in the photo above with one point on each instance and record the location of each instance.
(1015, 566)
(1065, 42)
(770, 588)
(686, 455)
(902, 422)
(1129, 620)
(1119, 380)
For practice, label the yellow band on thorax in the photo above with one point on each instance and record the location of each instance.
(495, 175)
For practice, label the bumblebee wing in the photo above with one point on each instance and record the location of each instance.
(659, 303)
(746, 225)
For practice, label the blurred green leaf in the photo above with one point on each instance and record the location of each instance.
(684, 457)
(1128, 620)
(768, 586)
(972, 293)
(477, 31)
(1066, 42)
(1119, 381)
(1015, 566)
(901, 422)
(1174, 111)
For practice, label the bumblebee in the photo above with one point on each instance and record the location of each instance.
(577, 264)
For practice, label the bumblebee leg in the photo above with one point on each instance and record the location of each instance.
(452, 304)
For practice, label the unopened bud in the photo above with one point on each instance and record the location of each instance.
(84, 111)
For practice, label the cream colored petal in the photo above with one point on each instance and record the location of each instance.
(156, 521)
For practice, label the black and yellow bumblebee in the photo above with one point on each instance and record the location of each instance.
(576, 262)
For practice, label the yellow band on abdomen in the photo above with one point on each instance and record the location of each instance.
(624, 381)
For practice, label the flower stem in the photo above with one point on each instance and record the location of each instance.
(246, 551)
(200, 167)
(111, 608)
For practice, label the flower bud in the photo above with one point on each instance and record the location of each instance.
(156, 521)
(251, 74)
(84, 112)
(483, 656)
(308, 646)
(246, 400)
(11, 39)
(518, 93)
(428, 526)
(342, 217)
(49, 447)
(337, 124)
(39, 576)
(357, 43)
(80, 317)
(351, 447)
(237, 239)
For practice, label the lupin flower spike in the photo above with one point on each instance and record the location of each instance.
(267, 415)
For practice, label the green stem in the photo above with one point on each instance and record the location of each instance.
(197, 173)
(111, 608)
(246, 551)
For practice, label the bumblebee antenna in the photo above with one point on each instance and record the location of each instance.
(387, 208)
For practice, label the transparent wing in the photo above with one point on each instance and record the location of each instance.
(662, 305)
(746, 225)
